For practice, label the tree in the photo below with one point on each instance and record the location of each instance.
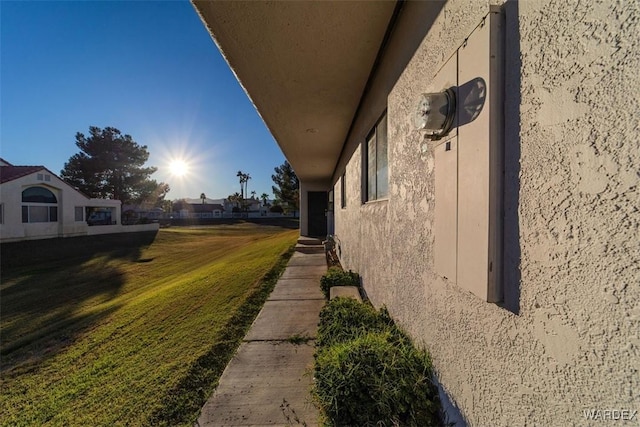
(156, 198)
(244, 179)
(287, 188)
(264, 197)
(203, 197)
(247, 177)
(110, 165)
(234, 198)
(241, 176)
(167, 206)
(179, 205)
(160, 193)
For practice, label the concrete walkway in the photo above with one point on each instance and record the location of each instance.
(268, 380)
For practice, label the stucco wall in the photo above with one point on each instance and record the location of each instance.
(68, 199)
(568, 336)
(119, 228)
(11, 196)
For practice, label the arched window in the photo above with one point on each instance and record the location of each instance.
(42, 205)
(38, 195)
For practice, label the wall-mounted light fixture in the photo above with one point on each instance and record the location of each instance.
(435, 113)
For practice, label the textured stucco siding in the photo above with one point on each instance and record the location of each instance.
(567, 338)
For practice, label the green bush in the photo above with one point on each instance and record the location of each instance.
(336, 276)
(374, 381)
(368, 372)
(344, 319)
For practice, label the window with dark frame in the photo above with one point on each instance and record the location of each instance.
(39, 213)
(343, 190)
(45, 209)
(376, 165)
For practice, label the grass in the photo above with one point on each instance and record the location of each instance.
(299, 339)
(368, 372)
(136, 335)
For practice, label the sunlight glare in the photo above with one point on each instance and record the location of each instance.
(178, 167)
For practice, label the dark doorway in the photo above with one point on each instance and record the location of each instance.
(317, 209)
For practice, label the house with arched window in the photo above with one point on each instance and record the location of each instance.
(37, 204)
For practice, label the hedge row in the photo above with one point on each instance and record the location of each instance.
(368, 373)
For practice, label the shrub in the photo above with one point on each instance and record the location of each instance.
(336, 276)
(344, 319)
(368, 372)
(372, 380)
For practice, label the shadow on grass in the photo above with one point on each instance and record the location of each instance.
(50, 293)
(37, 254)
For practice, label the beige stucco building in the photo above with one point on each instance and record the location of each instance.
(36, 204)
(509, 245)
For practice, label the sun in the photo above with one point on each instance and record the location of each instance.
(178, 167)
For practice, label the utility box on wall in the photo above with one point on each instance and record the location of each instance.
(446, 180)
(470, 164)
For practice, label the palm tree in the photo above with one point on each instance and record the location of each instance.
(253, 194)
(244, 179)
(247, 177)
(235, 198)
(203, 197)
(264, 197)
(241, 176)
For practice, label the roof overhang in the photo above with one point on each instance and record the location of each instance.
(304, 65)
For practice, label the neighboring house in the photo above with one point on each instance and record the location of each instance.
(253, 205)
(132, 214)
(501, 232)
(194, 208)
(222, 208)
(207, 211)
(37, 204)
(255, 208)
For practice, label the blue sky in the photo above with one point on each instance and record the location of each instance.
(149, 69)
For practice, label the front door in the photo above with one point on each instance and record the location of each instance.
(317, 209)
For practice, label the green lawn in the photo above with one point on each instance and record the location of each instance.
(128, 330)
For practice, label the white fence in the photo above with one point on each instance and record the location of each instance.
(119, 228)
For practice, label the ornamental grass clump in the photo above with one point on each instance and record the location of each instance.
(336, 276)
(344, 319)
(367, 371)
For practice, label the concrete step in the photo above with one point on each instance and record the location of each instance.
(345, 292)
(309, 245)
(309, 249)
(304, 240)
